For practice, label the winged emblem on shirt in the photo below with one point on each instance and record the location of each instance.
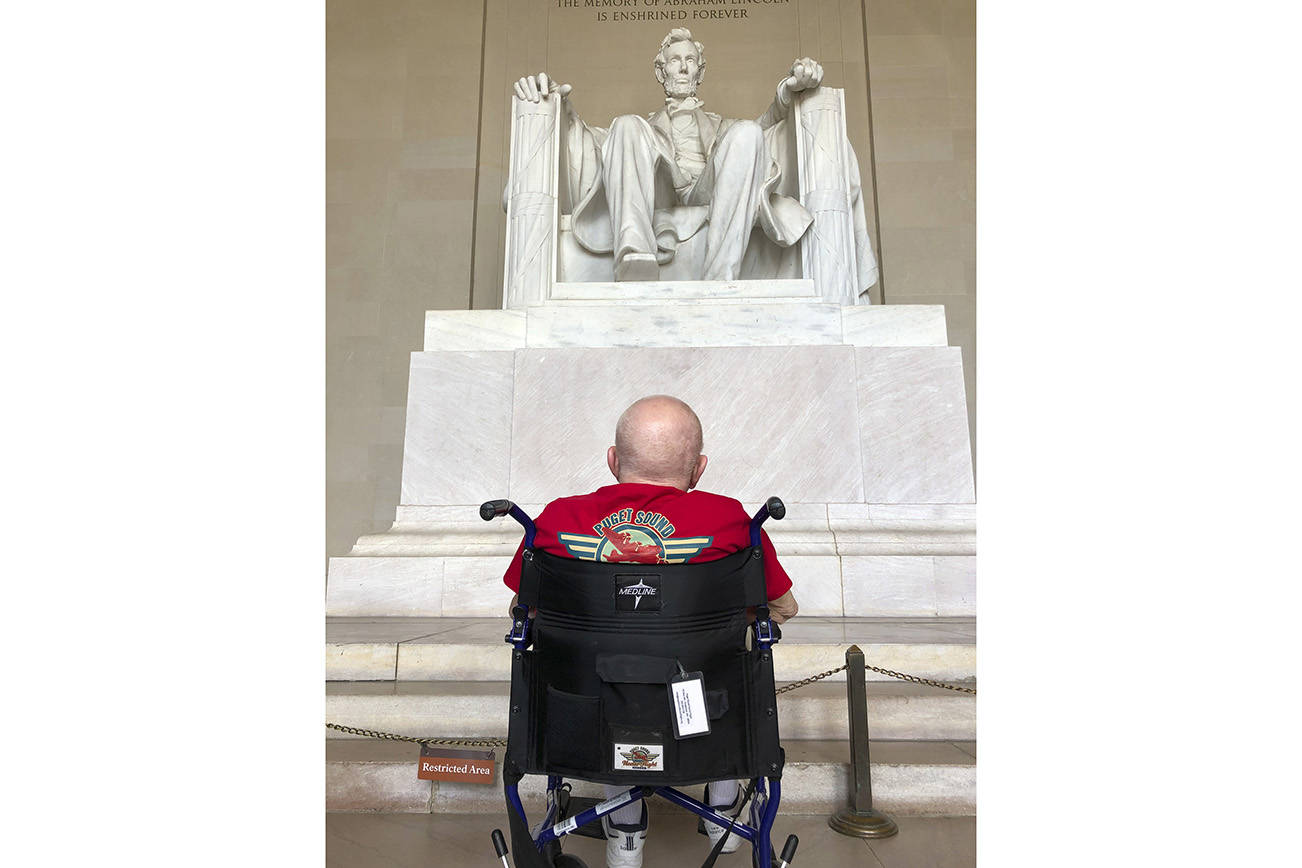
(632, 544)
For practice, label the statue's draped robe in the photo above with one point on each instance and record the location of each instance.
(781, 217)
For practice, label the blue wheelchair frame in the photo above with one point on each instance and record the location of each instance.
(765, 793)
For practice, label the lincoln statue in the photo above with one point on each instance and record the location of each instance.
(628, 183)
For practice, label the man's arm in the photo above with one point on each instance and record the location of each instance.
(784, 608)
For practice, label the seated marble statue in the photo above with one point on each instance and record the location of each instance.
(628, 183)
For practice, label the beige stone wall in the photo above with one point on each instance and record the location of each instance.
(402, 90)
(409, 117)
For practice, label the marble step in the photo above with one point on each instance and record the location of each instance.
(683, 292)
(826, 585)
(464, 709)
(919, 778)
(894, 560)
(810, 528)
(472, 649)
(740, 315)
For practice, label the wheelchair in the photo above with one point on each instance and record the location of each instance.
(602, 690)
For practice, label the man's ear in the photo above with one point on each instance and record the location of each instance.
(612, 461)
(660, 73)
(698, 472)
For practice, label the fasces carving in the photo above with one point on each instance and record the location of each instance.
(531, 203)
(828, 253)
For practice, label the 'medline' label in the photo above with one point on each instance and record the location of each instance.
(637, 593)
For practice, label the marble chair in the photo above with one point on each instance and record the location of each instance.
(543, 260)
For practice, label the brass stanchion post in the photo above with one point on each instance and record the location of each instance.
(859, 819)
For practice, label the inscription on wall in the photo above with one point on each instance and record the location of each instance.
(670, 10)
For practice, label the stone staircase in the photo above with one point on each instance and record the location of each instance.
(448, 677)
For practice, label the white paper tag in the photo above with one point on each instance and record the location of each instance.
(639, 757)
(689, 706)
(612, 804)
(565, 826)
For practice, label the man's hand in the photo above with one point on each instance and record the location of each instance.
(515, 599)
(784, 608)
(536, 87)
(806, 74)
(781, 610)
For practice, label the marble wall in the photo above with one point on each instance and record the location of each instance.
(922, 55)
(415, 125)
(813, 424)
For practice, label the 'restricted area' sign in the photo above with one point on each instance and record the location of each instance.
(464, 766)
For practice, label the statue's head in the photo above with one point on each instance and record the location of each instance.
(680, 63)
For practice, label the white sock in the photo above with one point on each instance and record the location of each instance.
(628, 815)
(723, 793)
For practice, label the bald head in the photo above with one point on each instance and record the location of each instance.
(658, 440)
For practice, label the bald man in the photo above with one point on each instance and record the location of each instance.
(653, 515)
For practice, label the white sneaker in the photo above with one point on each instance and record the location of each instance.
(716, 832)
(624, 843)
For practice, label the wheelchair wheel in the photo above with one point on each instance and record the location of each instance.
(569, 860)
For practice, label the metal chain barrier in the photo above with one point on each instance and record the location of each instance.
(795, 685)
(501, 742)
(892, 673)
(371, 733)
(916, 680)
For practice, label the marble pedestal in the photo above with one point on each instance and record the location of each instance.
(855, 416)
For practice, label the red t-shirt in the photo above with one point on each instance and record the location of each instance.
(636, 522)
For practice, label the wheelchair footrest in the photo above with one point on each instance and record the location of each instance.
(578, 805)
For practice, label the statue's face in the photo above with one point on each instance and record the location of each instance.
(681, 70)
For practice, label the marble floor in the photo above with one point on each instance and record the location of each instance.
(425, 840)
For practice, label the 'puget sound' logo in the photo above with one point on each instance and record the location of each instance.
(630, 536)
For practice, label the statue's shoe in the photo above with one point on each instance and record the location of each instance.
(637, 266)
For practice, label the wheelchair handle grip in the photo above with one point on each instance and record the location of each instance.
(491, 509)
(772, 508)
(789, 849)
(499, 844)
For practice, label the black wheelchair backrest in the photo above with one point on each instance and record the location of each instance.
(592, 698)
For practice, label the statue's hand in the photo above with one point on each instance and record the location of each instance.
(536, 87)
(806, 74)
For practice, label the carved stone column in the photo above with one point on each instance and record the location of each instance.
(827, 252)
(531, 204)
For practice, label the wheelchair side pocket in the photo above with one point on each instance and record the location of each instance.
(716, 703)
(573, 731)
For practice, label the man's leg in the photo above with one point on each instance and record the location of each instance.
(625, 830)
(724, 797)
(731, 184)
(628, 164)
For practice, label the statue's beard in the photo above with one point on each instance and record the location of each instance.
(680, 90)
